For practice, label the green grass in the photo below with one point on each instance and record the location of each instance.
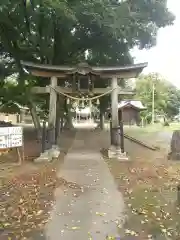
(150, 133)
(153, 128)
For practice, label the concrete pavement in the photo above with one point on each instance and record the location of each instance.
(92, 207)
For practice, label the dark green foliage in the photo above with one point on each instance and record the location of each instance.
(60, 31)
(56, 31)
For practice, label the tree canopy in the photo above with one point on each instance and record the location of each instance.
(61, 31)
(166, 95)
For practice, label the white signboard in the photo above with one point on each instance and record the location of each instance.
(11, 137)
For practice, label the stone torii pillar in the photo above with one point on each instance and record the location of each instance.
(115, 149)
(53, 150)
(114, 111)
(52, 111)
(52, 117)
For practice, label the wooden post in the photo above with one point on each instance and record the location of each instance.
(52, 112)
(114, 112)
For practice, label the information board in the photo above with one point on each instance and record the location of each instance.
(11, 137)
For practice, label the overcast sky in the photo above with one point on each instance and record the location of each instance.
(164, 58)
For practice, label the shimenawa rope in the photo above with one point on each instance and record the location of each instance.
(82, 99)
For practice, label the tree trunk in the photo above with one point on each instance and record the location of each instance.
(62, 122)
(35, 118)
(58, 115)
(61, 113)
(68, 124)
(102, 120)
(175, 146)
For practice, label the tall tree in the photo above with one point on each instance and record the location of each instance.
(166, 95)
(60, 31)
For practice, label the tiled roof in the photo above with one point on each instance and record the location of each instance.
(134, 103)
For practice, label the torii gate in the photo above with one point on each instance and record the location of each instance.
(56, 73)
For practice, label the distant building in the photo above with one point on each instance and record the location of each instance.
(22, 114)
(129, 111)
(160, 118)
(13, 118)
(83, 113)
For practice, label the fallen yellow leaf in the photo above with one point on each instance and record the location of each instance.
(75, 228)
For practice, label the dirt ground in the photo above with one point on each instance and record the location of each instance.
(26, 191)
(32, 148)
(9, 161)
(149, 185)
